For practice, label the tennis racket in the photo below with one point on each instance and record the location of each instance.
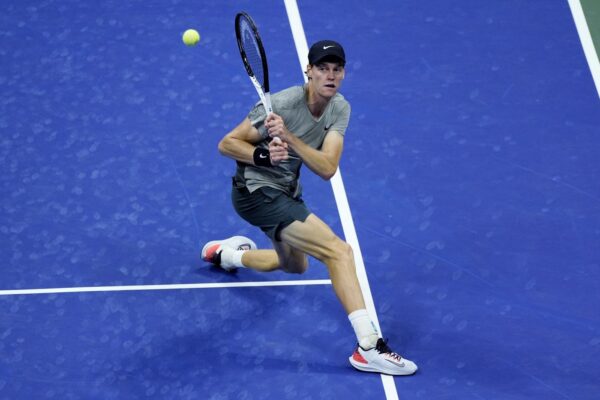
(253, 56)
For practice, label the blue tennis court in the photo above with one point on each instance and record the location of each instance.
(470, 167)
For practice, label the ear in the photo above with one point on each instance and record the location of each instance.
(309, 71)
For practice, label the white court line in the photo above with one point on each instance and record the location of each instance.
(164, 287)
(586, 41)
(340, 195)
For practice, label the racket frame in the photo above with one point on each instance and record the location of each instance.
(262, 90)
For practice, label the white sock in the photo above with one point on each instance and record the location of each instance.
(365, 331)
(232, 258)
(237, 258)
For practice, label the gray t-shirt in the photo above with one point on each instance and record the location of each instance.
(291, 105)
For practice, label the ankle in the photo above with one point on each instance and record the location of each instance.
(368, 342)
(365, 331)
(231, 258)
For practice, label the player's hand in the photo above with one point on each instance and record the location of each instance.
(276, 127)
(278, 151)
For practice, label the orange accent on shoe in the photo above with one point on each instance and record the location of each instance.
(210, 252)
(358, 357)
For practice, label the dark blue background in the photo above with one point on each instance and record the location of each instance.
(470, 165)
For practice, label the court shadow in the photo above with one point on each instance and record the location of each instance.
(203, 364)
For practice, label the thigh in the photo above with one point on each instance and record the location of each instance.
(312, 236)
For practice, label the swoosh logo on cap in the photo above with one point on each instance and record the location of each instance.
(326, 47)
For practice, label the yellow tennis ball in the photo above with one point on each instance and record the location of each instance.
(191, 37)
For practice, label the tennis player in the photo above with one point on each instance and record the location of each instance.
(307, 127)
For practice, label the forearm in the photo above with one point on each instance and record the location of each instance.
(317, 161)
(237, 149)
(323, 162)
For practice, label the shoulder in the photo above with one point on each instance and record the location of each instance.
(339, 104)
(340, 100)
(337, 116)
(288, 98)
(290, 92)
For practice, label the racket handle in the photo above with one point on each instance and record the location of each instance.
(268, 106)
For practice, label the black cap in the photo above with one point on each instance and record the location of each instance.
(325, 50)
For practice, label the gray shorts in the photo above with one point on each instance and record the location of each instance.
(269, 209)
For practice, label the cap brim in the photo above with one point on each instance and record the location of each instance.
(329, 58)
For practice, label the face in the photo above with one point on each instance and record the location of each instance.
(325, 78)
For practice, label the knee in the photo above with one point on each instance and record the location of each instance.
(340, 253)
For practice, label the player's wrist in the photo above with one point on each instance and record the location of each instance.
(262, 157)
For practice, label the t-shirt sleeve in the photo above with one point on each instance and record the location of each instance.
(343, 118)
(257, 118)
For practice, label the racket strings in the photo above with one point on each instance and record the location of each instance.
(252, 51)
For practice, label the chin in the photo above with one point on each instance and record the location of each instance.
(328, 93)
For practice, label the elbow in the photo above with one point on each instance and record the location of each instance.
(327, 175)
(223, 146)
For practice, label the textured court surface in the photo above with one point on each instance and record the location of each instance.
(471, 168)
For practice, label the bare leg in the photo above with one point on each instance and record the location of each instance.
(261, 260)
(284, 257)
(314, 237)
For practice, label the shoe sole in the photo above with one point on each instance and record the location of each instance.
(367, 368)
(225, 242)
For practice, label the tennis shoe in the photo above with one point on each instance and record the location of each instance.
(211, 252)
(382, 359)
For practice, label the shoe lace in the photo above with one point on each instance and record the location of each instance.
(382, 347)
